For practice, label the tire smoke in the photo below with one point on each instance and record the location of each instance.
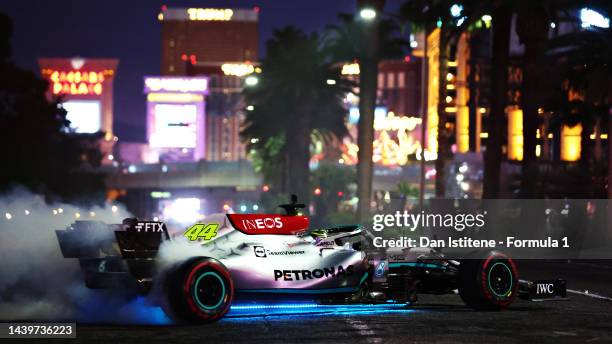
(38, 283)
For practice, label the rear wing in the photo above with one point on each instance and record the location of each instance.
(118, 255)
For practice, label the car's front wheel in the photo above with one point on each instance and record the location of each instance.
(488, 283)
(199, 290)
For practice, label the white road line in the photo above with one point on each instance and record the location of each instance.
(589, 294)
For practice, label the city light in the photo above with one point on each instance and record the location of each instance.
(350, 69)
(317, 191)
(255, 207)
(176, 84)
(331, 81)
(174, 97)
(251, 81)
(250, 108)
(265, 188)
(367, 13)
(85, 116)
(160, 194)
(237, 69)
(487, 19)
(77, 215)
(589, 18)
(114, 208)
(175, 125)
(8, 216)
(27, 212)
(571, 138)
(60, 210)
(210, 14)
(456, 10)
(183, 210)
(75, 82)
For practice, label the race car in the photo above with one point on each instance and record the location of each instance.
(279, 256)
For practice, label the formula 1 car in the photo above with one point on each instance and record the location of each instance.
(249, 255)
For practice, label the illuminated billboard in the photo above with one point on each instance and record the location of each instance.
(85, 116)
(175, 116)
(174, 126)
(397, 140)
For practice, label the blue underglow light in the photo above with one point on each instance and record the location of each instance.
(257, 309)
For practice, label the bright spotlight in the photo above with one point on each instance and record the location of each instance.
(251, 80)
(183, 210)
(367, 13)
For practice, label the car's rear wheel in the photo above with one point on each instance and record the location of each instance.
(199, 290)
(488, 283)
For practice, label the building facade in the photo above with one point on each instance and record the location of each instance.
(209, 35)
(86, 88)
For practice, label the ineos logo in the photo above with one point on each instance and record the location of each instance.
(264, 223)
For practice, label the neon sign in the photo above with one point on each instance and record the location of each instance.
(350, 69)
(176, 84)
(393, 144)
(76, 82)
(237, 69)
(210, 14)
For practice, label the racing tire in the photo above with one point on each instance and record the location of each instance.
(489, 283)
(200, 290)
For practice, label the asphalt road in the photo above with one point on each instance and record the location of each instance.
(434, 319)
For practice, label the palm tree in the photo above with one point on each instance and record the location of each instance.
(583, 59)
(427, 15)
(294, 96)
(368, 43)
(532, 26)
(502, 17)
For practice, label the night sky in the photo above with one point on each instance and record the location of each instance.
(131, 33)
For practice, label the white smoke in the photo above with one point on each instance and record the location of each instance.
(36, 281)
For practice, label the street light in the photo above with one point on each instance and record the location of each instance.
(251, 80)
(456, 10)
(367, 13)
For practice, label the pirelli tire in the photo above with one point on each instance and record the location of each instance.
(200, 290)
(488, 283)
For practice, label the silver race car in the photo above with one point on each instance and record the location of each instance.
(255, 256)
